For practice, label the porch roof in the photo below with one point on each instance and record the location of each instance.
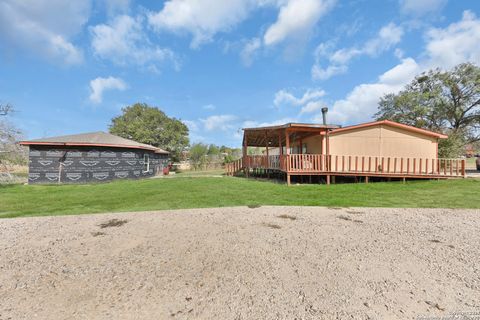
(273, 135)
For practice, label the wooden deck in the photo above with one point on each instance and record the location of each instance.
(351, 165)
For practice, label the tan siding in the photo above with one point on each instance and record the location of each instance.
(314, 144)
(383, 141)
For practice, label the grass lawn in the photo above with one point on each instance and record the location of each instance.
(471, 163)
(201, 192)
(200, 173)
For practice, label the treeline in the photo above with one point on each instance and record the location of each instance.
(204, 156)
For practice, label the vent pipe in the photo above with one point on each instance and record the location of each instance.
(324, 115)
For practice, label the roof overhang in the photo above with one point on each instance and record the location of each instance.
(391, 124)
(299, 126)
(75, 144)
(273, 136)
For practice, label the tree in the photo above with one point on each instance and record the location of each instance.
(150, 125)
(198, 155)
(213, 150)
(10, 151)
(5, 109)
(445, 101)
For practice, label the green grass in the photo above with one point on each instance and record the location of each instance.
(200, 173)
(471, 163)
(202, 192)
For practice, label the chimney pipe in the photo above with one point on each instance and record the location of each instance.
(324, 115)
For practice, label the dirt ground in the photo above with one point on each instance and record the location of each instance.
(242, 263)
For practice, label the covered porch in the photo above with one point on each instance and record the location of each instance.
(285, 149)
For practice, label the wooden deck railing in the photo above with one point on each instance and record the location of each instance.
(352, 165)
(391, 166)
(233, 167)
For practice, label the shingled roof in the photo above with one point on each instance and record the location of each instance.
(98, 139)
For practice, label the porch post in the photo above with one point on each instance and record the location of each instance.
(327, 151)
(280, 151)
(266, 151)
(245, 159)
(287, 151)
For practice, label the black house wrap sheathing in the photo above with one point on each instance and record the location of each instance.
(85, 164)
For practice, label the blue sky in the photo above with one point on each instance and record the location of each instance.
(70, 66)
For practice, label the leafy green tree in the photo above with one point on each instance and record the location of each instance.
(228, 158)
(451, 147)
(198, 155)
(445, 101)
(213, 150)
(150, 125)
(225, 149)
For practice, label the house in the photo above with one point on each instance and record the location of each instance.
(92, 157)
(469, 150)
(375, 149)
(383, 139)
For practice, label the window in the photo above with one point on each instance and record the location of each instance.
(146, 163)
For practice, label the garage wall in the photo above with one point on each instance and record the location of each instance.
(90, 164)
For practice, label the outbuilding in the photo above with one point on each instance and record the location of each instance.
(92, 157)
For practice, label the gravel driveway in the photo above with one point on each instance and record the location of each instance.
(242, 263)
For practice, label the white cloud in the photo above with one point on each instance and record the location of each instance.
(200, 18)
(399, 53)
(361, 103)
(326, 73)
(284, 96)
(296, 18)
(124, 42)
(459, 42)
(249, 50)
(192, 125)
(219, 122)
(44, 27)
(209, 107)
(203, 19)
(387, 37)
(117, 6)
(309, 103)
(99, 85)
(421, 7)
(444, 48)
(312, 106)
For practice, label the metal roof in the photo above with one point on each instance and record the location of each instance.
(99, 139)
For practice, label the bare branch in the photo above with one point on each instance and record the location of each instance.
(5, 109)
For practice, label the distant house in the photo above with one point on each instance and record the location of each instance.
(92, 157)
(469, 151)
